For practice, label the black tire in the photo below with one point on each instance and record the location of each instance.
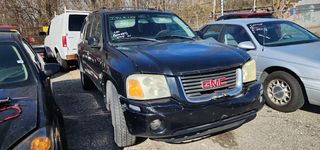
(63, 63)
(122, 137)
(86, 82)
(294, 98)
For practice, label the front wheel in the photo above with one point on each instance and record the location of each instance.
(283, 92)
(122, 137)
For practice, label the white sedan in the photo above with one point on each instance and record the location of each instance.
(287, 56)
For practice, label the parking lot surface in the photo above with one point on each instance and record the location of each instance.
(88, 125)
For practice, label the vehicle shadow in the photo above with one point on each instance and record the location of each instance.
(311, 108)
(87, 122)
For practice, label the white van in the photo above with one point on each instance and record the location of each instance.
(64, 35)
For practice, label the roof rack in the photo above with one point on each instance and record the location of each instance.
(70, 11)
(129, 8)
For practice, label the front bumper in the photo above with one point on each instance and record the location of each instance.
(181, 122)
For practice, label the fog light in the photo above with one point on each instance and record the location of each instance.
(136, 108)
(155, 124)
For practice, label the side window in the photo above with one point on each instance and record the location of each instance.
(212, 31)
(34, 57)
(234, 34)
(96, 28)
(88, 30)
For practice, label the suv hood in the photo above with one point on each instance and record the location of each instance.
(15, 129)
(184, 57)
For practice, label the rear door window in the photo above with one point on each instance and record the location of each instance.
(212, 31)
(12, 67)
(234, 34)
(96, 27)
(75, 22)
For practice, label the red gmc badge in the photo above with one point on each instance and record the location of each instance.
(209, 84)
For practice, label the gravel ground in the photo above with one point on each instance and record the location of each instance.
(88, 125)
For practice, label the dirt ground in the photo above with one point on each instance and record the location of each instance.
(88, 125)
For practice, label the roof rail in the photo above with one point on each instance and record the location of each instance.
(69, 10)
(129, 8)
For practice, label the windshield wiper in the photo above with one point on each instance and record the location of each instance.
(175, 36)
(137, 38)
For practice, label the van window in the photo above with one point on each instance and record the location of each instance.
(75, 22)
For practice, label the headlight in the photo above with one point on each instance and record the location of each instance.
(249, 71)
(147, 86)
(39, 140)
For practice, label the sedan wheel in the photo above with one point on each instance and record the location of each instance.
(283, 92)
(279, 92)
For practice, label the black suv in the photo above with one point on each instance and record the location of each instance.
(160, 81)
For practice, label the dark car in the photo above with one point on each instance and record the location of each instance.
(8, 28)
(29, 116)
(45, 53)
(245, 15)
(160, 81)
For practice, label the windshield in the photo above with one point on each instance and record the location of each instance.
(142, 26)
(12, 68)
(277, 33)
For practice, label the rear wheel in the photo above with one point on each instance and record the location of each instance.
(86, 82)
(283, 92)
(122, 137)
(63, 63)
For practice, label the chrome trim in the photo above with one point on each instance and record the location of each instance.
(238, 89)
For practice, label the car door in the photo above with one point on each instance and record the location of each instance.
(96, 49)
(85, 52)
(235, 34)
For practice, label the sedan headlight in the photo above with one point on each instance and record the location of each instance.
(147, 86)
(249, 71)
(40, 140)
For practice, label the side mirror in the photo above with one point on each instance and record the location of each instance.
(247, 45)
(93, 41)
(199, 33)
(50, 69)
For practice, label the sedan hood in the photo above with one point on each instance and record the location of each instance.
(13, 130)
(171, 58)
(307, 54)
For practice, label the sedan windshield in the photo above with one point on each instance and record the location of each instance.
(12, 68)
(278, 33)
(147, 27)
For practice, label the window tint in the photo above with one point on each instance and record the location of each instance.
(234, 34)
(88, 30)
(124, 27)
(278, 33)
(96, 27)
(32, 54)
(12, 67)
(212, 31)
(75, 22)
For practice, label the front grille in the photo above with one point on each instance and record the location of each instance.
(192, 84)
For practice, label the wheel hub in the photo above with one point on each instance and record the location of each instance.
(279, 92)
